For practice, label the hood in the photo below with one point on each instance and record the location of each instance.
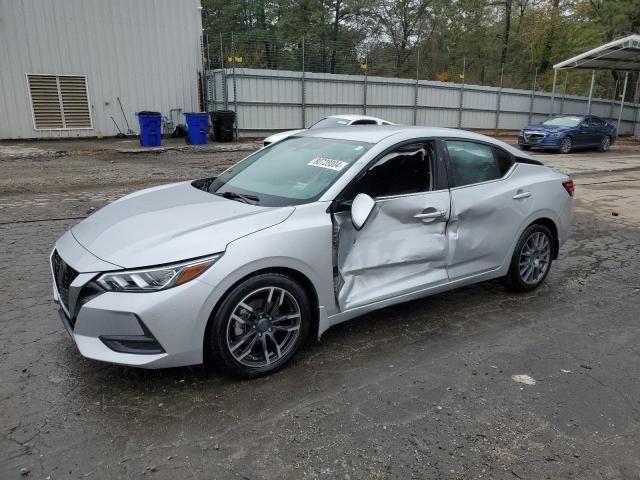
(169, 224)
(276, 137)
(546, 128)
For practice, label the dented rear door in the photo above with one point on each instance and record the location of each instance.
(402, 248)
(488, 208)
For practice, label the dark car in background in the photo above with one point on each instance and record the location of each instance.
(566, 132)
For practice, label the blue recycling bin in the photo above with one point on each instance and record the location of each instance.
(150, 128)
(197, 126)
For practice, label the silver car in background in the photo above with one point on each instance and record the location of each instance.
(333, 121)
(241, 269)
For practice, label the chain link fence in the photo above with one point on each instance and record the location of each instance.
(235, 54)
(373, 57)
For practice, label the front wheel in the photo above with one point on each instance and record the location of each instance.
(605, 144)
(566, 145)
(260, 325)
(531, 259)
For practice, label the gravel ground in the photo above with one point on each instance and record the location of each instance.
(421, 390)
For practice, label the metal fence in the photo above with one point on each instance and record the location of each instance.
(273, 100)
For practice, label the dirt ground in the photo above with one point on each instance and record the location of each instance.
(421, 390)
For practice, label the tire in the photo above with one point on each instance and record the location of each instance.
(566, 145)
(263, 337)
(528, 271)
(526, 148)
(605, 144)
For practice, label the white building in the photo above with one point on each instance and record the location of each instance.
(65, 63)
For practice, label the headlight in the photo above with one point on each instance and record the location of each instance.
(555, 135)
(154, 279)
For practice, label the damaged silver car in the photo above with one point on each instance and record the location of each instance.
(241, 269)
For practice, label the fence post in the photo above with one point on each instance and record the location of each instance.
(364, 87)
(464, 64)
(211, 92)
(499, 99)
(225, 90)
(533, 95)
(635, 115)
(624, 93)
(564, 92)
(303, 93)
(415, 95)
(593, 79)
(235, 85)
(553, 91)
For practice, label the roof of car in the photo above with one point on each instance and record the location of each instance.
(356, 117)
(377, 133)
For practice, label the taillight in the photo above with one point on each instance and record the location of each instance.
(568, 186)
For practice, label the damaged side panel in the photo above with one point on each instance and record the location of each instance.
(485, 219)
(395, 253)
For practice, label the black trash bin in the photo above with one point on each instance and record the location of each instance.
(223, 122)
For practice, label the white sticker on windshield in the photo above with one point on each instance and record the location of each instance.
(321, 162)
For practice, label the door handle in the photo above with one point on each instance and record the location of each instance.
(520, 194)
(429, 215)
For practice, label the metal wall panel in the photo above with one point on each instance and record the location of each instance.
(475, 98)
(433, 96)
(510, 102)
(272, 100)
(147, 52)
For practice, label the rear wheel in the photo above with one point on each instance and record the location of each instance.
(566, 145)
(260, 325)
(605, 144)
(531, 259)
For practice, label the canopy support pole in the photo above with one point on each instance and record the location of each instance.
(593, 79)
(553, 90)
(624, 93)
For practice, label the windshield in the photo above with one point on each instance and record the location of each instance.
(330, 122)
(563, 122)
(293, 171)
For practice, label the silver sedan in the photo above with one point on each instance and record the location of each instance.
(241, 269)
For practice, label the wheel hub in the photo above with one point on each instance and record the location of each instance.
(263, 324)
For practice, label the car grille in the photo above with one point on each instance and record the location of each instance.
(533, 137)
(63, 275)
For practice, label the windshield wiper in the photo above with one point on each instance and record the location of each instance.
(241, 197)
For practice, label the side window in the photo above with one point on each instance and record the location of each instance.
(471, 163)
(597, 122)
(364, 122)
(405, 170)
(505, 160)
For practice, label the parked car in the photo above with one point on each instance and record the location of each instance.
(330, 122)
(567, 132)
(241, 269)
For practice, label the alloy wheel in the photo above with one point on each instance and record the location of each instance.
(565, 146)
(606, 144)
(534, 259)
(263, 327)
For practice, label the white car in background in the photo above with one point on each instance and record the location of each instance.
(330, 122)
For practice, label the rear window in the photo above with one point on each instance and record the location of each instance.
(472, 162)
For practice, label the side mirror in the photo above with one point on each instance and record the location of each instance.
(361, 210)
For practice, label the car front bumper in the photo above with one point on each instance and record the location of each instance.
(546, 142)
(151, 329)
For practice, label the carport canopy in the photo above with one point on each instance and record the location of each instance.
(621, 54)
